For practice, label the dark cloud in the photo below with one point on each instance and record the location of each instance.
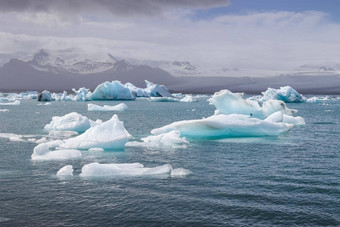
(116, 7)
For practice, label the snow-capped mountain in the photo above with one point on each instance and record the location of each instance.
(329, 68)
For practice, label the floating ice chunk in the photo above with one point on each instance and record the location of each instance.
(112, 90)
(15, 103)
(119, 107)
(163, 99)
(155, 90)
(162, 141)
(70, 122)
(280, 117)
(66, 171)
(286, 94)
(42, 152)
(44, 104)
(188, 98)
(45, 96)
(180, 172)
(82, 94)
(140, 92)
(224, 126)
(110, 134)
(42, 140)
(4, 110)
(318, 99)
(133, 169)
(227, 102)
(96, 149)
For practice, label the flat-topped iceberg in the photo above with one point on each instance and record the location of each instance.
(286, 94)
(94, 107)
(224, 126)
(70, 122)
(227, 102)
(129, 169)
(112, 90)
(42, 152)
(110, 134)
(169, 140)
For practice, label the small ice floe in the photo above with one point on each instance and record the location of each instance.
(70, 122)
(15, 103)
(42, 152)
(130, 169)
(4, 110)
(65, 171)
(119, 107)
(163, 99)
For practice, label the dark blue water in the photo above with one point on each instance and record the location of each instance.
(293, 179)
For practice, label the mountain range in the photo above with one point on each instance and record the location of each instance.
(67, 69)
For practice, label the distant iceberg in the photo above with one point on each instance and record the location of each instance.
(130, 169)
(286, 94)
(119, 107)
(45, 96)
(15, 103)
(111, 91)
(70, 122)
(110, 134)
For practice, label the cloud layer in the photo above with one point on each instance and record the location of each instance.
(116, 7)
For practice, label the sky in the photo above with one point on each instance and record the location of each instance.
(241, 37)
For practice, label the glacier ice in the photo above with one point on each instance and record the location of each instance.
(188, 98)
(286, 94)
(94, 107)
(112, 90)
(110, 134)
(62, 134)
(82, 94)
(129, 169)
(45, 96)
(223, 126)
(65, 171)
(70, 122)
(156, 90)
(167, 140)
(227, 102)
(280, 117)
(42, 152)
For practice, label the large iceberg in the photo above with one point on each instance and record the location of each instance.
(169, 140)
(70, 122)
(130, 169)
(42, 152)
(223, 126)
(286, 94)
(110, 134)
(94, 107)
(112, 90)
(227, 102)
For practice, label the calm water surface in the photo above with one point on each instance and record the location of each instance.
(293, 179)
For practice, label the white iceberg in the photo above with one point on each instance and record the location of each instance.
(167, 140)
(224, 126)
(188, 98)
(82, 94)
(286, 94)
(70, 122)
(129, 169)
(316, 99)
(119, 107)
(227, 102)
(110, 134)
(112, 90)
(151, 90)
(65, 171)
(42, 152)
(15, 103)
(4, 110)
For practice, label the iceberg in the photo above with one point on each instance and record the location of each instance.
(82, 94)
(42, 152)
(286, 94)
(112, 90)
(70, 122)
(110, 134)
(65, 171)
(167, 140)
(4, 110)
(280, 117)
(224, 126)
(129, 169)
(227, 102)
(45, 96)
(188, 98)
(151, 90)
(119, 107)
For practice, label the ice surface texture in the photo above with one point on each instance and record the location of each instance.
(112, 90)
(286, 94)
(42, 152)
(70, 122)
